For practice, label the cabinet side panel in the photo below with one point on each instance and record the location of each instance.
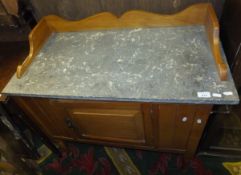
(55, 120)
(33, 112)
(40, 111)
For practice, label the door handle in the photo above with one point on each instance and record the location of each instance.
(69, 123)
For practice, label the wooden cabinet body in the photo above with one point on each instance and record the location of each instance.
(165, 127)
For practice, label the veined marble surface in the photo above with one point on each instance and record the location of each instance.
(168, 64)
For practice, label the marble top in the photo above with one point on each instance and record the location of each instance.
(168, 64)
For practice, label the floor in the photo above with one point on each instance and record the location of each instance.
(92, 159)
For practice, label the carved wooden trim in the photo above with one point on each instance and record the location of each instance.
(200, 14)
(212, 29)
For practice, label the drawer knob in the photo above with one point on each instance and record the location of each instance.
(184, 119)
(199, 121)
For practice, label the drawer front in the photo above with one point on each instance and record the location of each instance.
(106, 121)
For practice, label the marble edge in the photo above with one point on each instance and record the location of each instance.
(234, 101)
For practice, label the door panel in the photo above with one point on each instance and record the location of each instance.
(174, 125)
(106, 121)
(183, 125)
(119, 125)
(199, 123)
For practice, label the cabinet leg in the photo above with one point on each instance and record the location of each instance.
(62, 146)
(51, 146)
(188, 156)
(184, 163)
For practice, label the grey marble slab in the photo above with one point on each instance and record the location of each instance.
(168, 64)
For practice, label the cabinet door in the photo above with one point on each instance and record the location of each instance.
(200, 119)
(174, 125)
(105, 121)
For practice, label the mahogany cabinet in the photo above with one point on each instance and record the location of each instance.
(165, 127)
